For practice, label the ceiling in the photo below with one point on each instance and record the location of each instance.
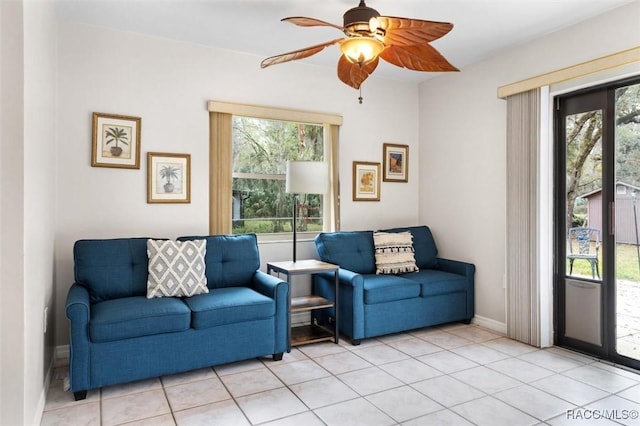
(481, 27)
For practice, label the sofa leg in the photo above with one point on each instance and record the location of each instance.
(467, 321)
(278, 356)
(80, 395)
(356, 342)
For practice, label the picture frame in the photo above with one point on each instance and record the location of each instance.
(116, 141)
(396, 162)
(168, 177)
(366, 181)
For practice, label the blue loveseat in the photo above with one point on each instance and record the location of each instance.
(117, 335)
(371, 305)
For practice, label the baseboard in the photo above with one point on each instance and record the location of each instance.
(491, 324)
(45, 390)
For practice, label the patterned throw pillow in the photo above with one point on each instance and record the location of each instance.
(176, 268)
(394, 252)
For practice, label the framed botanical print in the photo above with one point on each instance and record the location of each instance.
(168, 178)
(366, 181)
(116, 141)
(396, 162)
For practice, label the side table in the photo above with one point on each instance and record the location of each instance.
(308, 333)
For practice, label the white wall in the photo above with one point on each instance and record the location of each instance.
(168, 83)
(27, 191)
(40, 192)
(11, 214)
(463, 144)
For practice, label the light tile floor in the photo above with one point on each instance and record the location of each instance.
(451, 375)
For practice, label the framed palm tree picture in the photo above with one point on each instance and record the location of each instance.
(168, 178)
(116, 141)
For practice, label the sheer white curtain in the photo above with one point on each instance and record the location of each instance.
(523, 284)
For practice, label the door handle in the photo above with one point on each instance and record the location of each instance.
(612, 218)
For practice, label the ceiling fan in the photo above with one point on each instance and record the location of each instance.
(402, 42)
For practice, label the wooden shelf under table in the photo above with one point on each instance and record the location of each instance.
(305, 334)
(309, 303)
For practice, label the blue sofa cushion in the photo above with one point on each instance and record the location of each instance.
(111, 268)
(425, 247)
(387, 288)
(351, 250)
(434, 282)
(231, 260)
(137, 316)
(229, 305)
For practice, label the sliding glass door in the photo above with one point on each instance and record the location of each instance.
(626, 235)
(597, 250)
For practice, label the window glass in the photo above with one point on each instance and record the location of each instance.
(261, 148)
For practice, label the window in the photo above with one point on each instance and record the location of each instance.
(249, 147)
(261, 148)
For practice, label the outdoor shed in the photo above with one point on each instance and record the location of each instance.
(626, 214)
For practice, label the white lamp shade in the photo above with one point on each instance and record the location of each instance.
(307, 177)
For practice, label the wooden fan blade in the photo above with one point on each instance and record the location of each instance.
(297, 54)
(353, 74)
(302, 21)
(409, 32)
(419, 58)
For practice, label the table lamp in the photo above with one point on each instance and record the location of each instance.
(305, 177)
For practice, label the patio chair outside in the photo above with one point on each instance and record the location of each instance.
(581, 247)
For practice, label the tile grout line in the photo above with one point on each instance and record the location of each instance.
(231, 395)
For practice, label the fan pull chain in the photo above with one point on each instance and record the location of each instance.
(360, 97)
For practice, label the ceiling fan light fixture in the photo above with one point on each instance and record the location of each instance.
(361, 50)
(361, 13)
(403, 42)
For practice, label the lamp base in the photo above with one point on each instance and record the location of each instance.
(295, 225)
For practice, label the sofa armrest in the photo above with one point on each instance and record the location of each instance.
(345, 277)
(78, 306)
(278, 290)
(269, 285)
(468, 271)
(456, 267)
(78, 309)
(350, 302)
